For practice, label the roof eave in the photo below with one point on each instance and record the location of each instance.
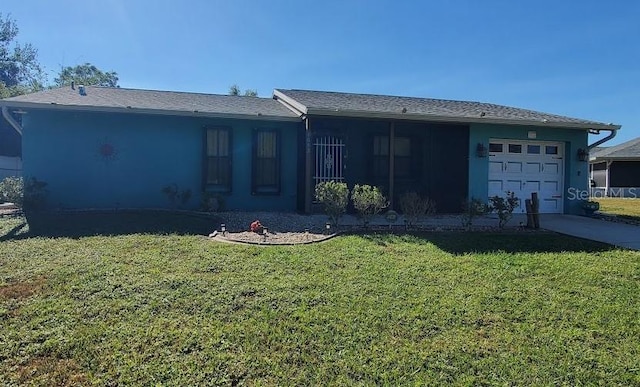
(106, 109)
(602, 159)
(474, 120)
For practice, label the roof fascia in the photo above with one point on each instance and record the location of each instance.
(105, 109)
(479, 120)
(599, 159)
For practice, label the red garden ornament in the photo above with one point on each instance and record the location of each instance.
(256, 226)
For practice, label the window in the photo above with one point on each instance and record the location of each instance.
(495, 147)
(402, 157)
(266, 162)
(551, 149)
(533, 149)
(217, 171)
(380, 156)
(402, 161)
(515, 148)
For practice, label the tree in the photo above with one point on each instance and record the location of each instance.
(20, 71)
(235, 90)
(86, 74)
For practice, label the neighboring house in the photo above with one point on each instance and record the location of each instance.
(615, 170)
(115, 148)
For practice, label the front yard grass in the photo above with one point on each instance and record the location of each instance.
(623, 207)
(440, 308)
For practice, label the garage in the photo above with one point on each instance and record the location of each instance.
(524, 167)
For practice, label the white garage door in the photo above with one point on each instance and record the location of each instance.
(524, 167)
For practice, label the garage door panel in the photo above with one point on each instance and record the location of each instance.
(514, 167)
(533, 167)
(513, 186)
(551, 205)
(495, 166)
(495, 186)
(551, 186)
(552, 168)
(533, 185)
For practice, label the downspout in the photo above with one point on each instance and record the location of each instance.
(602, 140)
(7, 116)
(608, 164)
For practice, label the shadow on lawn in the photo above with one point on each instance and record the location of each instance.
(76, 225)
(459, 243)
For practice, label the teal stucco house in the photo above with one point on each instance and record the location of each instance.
(110, 148)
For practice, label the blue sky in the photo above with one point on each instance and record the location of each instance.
(575, 58)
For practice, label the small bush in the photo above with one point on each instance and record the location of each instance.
(212, 202)
(334, 196)
(503, 207)
(173, 193)
(414, 207)
(368, 201)
(472, 209)
(12, 190)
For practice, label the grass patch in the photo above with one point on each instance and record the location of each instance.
(434, 308)
(628, 208)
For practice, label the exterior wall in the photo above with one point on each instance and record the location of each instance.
(576, 176)
(150, 152)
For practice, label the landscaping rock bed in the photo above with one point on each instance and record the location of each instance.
(274, 238)
(285, 228)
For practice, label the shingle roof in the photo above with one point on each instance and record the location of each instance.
(152, 101)
(349, 104)
(626, 150)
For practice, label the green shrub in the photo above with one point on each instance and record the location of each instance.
(414, 207)
(212, 202)
(12, 190)
(35, 194)
(174, 194)
(503, 207)
(334, 196)
(368, 201)
(472, 209)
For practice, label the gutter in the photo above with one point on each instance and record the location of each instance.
(601, 141)
(7, 116)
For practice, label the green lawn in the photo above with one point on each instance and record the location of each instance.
(624, 207)
(439, 308)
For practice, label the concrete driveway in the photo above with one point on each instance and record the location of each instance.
(617, 234)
